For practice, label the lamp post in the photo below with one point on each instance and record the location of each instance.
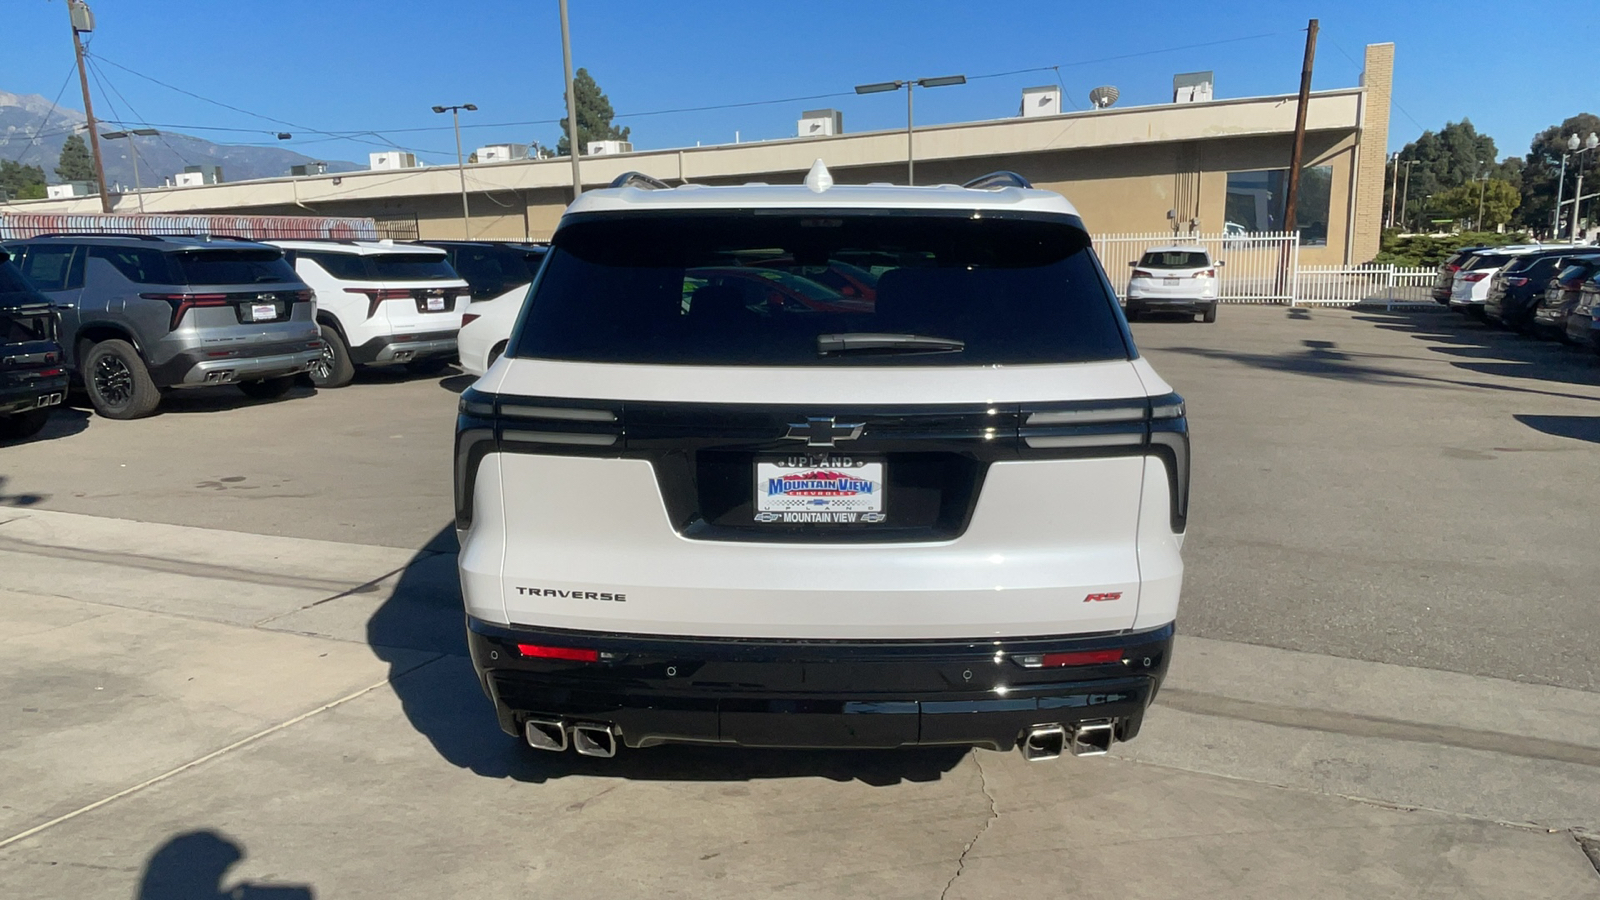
(1483, 188)
(1405, 192)
(1578, 149)
(909, 85)
(461, 162)
(133, 154)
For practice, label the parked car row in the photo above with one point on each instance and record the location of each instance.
(128, 318)
(1550, 292)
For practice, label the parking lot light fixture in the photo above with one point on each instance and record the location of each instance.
(461, 162)
(133, 154)
(910, 86)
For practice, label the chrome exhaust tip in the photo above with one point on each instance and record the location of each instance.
(594, 740)
(1043, 742)
(546, 734)
(1093, 738)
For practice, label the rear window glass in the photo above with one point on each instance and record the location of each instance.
(17, 328)
(234, 267)
(1486, 261)
(768, 289)
(412, 267)
(495, 270)
(11, 280)
(343, 266)
(1174, 259)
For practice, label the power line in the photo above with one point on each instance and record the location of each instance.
(46, 117)
(1392, 100)
(105, 80)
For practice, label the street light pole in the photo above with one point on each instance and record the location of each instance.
(1483, 187)
(1405, 193)
(572, 103)
(133, 155)
(1589, 144)
(910, 85)
(461, 163)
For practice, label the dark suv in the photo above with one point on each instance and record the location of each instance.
(143, 314)
(32, 376)
(1516, 290)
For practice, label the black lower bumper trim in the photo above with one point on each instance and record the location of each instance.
(368, 353)
(21, 393)
(817, 693)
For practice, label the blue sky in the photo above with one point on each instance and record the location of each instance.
(359, 65)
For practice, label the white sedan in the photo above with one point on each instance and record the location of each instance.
(486, 328)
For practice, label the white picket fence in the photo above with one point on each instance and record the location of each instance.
(1256, 268)
(1264, 267)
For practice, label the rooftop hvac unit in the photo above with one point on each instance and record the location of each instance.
(207, 174)
(821, 123)
(315, 168)
(1041, 101)
(1192, 87)
(69, 189)
(501, 152)
(605, 148)
(392, 159)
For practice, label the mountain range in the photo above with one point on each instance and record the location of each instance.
(32, 131)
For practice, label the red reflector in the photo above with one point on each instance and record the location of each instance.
(1473, 276)
(51, 373)
(573, 653)
(1083, 658)
(467, 318)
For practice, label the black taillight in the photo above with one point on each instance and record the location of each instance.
(182, 303)
(1155, 426)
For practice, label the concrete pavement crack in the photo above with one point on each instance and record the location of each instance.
(961, 862)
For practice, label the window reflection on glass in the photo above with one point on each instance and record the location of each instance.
(1255, 202)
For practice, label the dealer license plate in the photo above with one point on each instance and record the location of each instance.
(1170, 282)
(836, 490)
(263, 312)
(435, 304)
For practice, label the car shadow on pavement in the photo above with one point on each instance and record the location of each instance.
(1578, 428)
(64, 421)
(23, 499)
(222, 398)
(194, 866)
(444, 702)
(455, 384)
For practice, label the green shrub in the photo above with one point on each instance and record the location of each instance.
(1430, 250)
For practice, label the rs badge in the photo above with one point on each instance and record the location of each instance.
(1100, 598)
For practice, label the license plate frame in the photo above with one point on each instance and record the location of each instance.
(261, 312)
(433, 305)
(1169, 282)
(820, 489)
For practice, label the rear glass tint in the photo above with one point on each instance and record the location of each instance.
(412, 267)
(495, 270)
(343, 266)
(17, 327)
(11, 280)
(234, 267)
(1174, 259)
(760, 289)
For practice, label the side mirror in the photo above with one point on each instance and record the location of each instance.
(1220, 262)
(1133, 263)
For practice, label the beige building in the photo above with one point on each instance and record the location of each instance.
(1208, 166)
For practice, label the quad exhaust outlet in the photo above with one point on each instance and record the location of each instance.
(1093, 738)
(556, 735)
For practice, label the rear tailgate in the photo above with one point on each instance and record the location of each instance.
(421, 293)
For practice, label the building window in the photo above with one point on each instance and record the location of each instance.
(1255, 202)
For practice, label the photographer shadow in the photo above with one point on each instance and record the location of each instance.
(194, 866)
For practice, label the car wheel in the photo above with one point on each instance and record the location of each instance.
(267, 388)
(119, 385)
(1210, 314)
(333, 369)
(432, 365)
(24, 424)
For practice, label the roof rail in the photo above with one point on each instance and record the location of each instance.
(115, 234)
(995, 181)
(640, 180)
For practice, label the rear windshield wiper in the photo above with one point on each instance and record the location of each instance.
(873, 342)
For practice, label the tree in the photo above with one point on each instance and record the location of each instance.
(20, 181)
(75, 163)
(594, 115)
(1543, 166)
(1450, 158)
(1500, 199)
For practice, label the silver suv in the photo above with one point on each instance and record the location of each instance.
(142, 314)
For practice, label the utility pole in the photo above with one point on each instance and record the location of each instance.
(1300, 128)
(1482, 188)
(1394, 188)
(1405, 193)
(83, 21)
(572, 103)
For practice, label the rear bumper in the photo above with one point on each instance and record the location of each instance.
(771, 693)
(20, 392)
(1169, 304)
(196, 368)
(398, 348)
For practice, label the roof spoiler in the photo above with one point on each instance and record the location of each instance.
(640, 180)
(995, 181)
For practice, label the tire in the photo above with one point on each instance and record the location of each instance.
(334, 369)
(267, 388)
(117, 381)
(1210, 315)
(432, 365)
(23, 425)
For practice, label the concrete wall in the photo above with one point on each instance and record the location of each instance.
(1378, 79)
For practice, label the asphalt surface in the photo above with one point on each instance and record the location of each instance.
(1407, 487)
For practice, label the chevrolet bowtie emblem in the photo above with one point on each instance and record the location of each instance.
(823, 432)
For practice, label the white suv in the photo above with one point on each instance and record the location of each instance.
(1180, 278)
(698, 506)
(379, 303)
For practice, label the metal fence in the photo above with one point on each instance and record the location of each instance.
(1391, 286)
(17, 226)
(1258, 267)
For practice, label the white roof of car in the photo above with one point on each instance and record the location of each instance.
(360, 248)
(819, 192)
(1177, 248)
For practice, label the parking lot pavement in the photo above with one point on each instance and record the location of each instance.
(337, 745)
(1407, 487)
